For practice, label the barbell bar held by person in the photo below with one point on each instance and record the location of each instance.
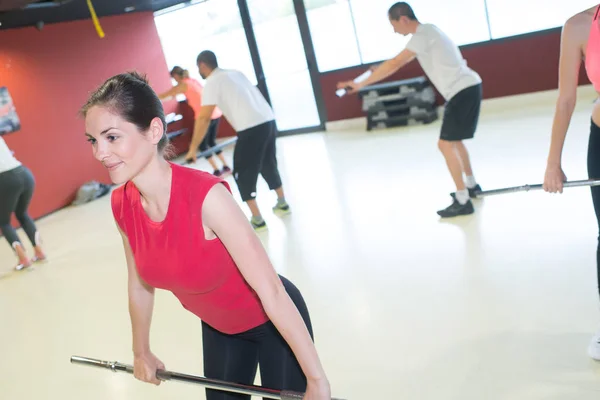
(216, 384)
(527, 188)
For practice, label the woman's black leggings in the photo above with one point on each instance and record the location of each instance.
(593, 164)
(210, 139)
(256, 154)
(235, 358)
(16, 191)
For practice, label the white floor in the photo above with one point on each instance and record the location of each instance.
(500, 305)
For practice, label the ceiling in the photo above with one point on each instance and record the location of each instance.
(21, 13)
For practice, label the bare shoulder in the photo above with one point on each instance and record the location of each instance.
(576, 29)
(580, 23)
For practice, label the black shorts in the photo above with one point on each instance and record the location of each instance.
(461, 114)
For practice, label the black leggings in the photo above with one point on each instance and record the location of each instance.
(16, 188)
(593, 165)
(235, 358)
(210, 139)
(255, 154)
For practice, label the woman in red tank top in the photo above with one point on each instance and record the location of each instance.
(580, 41)
(182, 231)
(192, 89)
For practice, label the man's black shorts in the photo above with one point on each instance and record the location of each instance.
(461, 114)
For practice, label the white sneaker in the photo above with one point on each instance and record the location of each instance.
(594, 347)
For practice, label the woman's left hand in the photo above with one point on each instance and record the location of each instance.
(318, 390)
(190, 157)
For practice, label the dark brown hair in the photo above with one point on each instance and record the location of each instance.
(401, 9)
(209, 58)
(130, 96)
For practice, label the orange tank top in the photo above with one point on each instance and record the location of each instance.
(592, 53)
(193, 94)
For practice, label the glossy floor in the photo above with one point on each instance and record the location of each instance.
(498, 305)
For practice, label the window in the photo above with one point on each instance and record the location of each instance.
(214, 25)
(376, 38)
(464, 21)
(515, 17)
(332, 32)
(283, 59)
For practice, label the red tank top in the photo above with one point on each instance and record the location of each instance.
(592, 53)
(193, 94)
(174, 254)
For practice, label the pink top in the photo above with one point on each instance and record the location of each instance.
(175, 255)
(193, 94)
(592, 53)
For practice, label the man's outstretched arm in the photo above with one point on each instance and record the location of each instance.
(381, 72)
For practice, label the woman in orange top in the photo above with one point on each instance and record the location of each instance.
(192, 89)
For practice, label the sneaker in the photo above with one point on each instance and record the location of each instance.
(282, 208)
(23, 265)
(456, 209)
(258, 226)
(594, 347)
(226, 170)
(217, 172)
(472, 192)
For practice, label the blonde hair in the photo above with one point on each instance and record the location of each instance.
(180, 72)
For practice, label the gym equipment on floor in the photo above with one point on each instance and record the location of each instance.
(399, 103)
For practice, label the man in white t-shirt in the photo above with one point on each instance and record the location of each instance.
(251, 116)
(460, 86)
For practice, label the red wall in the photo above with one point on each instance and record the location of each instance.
(49, 74)
(510, 66)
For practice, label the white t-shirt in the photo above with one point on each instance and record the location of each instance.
(442, 61)
(7, 160)
(240, 101)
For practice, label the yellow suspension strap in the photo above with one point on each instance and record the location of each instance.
(95, 19)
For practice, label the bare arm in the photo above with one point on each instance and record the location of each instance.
(224, 217)
(382, 71)
(141, 303)
(569, 65)
(174, 91)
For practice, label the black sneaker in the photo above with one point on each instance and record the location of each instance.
(472, 192)
(456, 209)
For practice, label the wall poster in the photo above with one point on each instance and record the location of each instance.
(9, 120)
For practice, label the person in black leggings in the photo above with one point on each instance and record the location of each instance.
(580, 41)
(210, 141)
(235, 358)
(16, 187)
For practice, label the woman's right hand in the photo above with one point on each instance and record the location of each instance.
(554, 179)
(145, 367)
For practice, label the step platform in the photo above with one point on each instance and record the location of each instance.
(406, 119)
(399, 103)
(401, 111)
(421, 98)
(403, 88)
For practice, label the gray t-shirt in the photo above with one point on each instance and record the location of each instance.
(442, 61)
(241, 102)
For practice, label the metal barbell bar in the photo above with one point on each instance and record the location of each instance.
(164, 375)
